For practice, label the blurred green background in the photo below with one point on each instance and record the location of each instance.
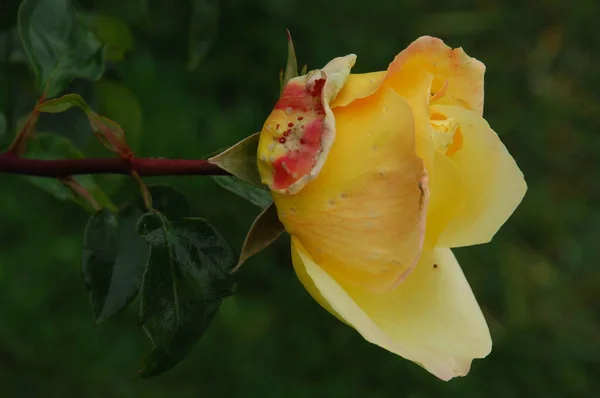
(194, 80)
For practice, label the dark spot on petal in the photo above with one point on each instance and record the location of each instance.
(300, 117)
(290, 124)
(435, 265)
(318, 87)
(281, 140)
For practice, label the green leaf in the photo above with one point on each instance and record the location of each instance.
(203, 29)
(187, 277)
(59, 46)
(51, 147)
(291, 67)
(112, 32)
(240, 160)
(265, 229)
(258, 196)
(117, 102)
(64, 103)
(107, 131)
(114, 260)
(304, 70)
(110, 134)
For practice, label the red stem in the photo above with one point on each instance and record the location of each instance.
(147, 167)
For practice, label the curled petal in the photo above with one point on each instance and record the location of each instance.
(358, 86)
(492, 182)
(415, 89)
(300, 131)
(364, 216)
(458, 78)
(432, 318)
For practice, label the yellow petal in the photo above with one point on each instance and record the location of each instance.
(494, 186)
(309, 285)
(358, 86)
(365, 214)
(459, 76)
(432, 318)
(415, 88)
(447, 198)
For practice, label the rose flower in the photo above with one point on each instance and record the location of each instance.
(376, 176)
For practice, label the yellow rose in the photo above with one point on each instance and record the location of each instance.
(375, 177)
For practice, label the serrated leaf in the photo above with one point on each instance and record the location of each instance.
(203, 29)
(187, 277)
(255, 195)
(114, 260)
(291, 67)
(265, 229)
(112, 32)
(51, 147)
(240, 160)
(59, 46)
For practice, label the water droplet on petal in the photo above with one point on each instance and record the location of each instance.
(288, 110)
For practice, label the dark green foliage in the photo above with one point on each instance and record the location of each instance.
(169, 202)
(59, 45)
(186, 278)
(180, 265)
(258, 196)
(114, 260)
